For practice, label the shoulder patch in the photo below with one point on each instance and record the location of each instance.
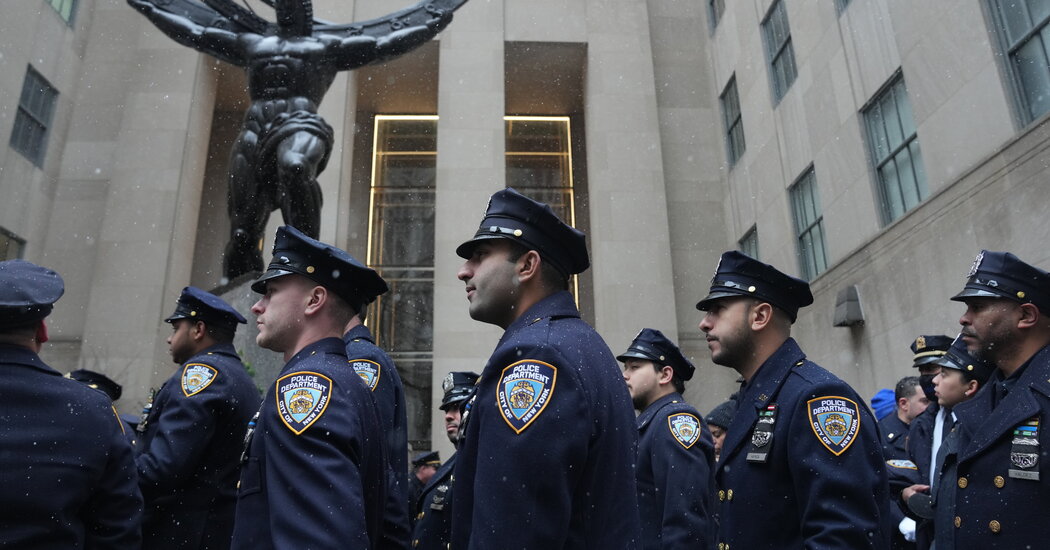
(835, 421)
(302, 398)
(685, 428)
(523, 391)
(196, 377)
(368, 371)
(901, 464)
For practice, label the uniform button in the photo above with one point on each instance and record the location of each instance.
(729, 496)
(238, 484)
(963, 482)
(721, 546)
(999, 482)
(415, 543)
(958, 522)
(420, 515)
(994, 526)
(721, 496)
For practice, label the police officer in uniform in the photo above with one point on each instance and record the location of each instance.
(675, 469)
(925, 433)
(192, 437)
(314, 474)
(424, 466)
(433, 514)
(910, 402)
(801, 465)
(548, 456)
(1003, 486)
(67, 471)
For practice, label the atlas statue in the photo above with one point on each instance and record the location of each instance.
(284, 144)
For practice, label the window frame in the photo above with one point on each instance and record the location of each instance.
(807, 183)
(1021, 106)
(778, 52)
(57, 5)
(744, 243)
(715, 13)
(25, 114)
(732, 155)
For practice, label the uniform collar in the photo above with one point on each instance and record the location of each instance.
(360, 332)
(18, 355)
(559, 304)
(653, 409)
(325, 345)
(225, 348)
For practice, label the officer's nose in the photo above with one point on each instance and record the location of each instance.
(705, 323)
(465, 273)
(257, 308)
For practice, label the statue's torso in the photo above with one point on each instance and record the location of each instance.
(288, 69)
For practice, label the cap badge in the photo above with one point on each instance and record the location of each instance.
(920, 342)
(448, 383)
(715, 274)
(976, 264)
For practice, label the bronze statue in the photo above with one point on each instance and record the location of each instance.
(284, 143)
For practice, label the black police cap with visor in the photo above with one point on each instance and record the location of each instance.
(929, 348)
(958, 358)
(326, 265)
(199, 305)
(28, 292)
(98, 381)
(651, 345)
(738, 275)
(513, 216)
(457, 387)
(430, 458)
(1004, 276)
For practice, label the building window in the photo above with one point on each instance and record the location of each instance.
(35, 108)
(1026, 33)
(730, 101)
(715, 9)
(539, 164)
(11, 247)
(778, 47)
(895, 150)
(401, 249)
(809, 225)
(65, 8)
(841, 5)
(749, 242)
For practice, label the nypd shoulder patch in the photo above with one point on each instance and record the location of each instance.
(523, 391)
(901, 464)
(368, 371)
(835, 421)
(685, 428)
(302, 398)
(196, 377)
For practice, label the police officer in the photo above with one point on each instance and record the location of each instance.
(547, 459)
(424, 466)
(1003, 487)
(925, 433)
(67, 471)
(801, 464)
(910, 402)
(675, 468)
(314, 474)
(192, 437)
(960, 378)
(433, 514)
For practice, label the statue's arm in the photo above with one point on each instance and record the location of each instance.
(354, 51)
(219, 43)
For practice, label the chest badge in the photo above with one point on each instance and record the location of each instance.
(302, 398)
(523, 391)
(368, 371)
(685, 428)
(835, 421)
(196, 377)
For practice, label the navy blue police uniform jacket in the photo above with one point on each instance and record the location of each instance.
(378, 372)
(1003, 488)
(190, 452)
(822, 483)
(548, 458)
(67, 471)
(675, 476)
(314, 474)
(433, 512)
(894, 434)
(920, 449)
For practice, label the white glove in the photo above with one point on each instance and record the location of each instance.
(907, 528)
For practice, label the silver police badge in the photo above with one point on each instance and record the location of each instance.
(196, 377)
(976, 264)
(685, 428)
(760, 438)
(368, 371)
(448, 383)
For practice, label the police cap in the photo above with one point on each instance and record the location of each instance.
(196, 304)
(326, 265)
(959, 359)
(652, 345)
(98, 381)
(457, 386)
(738, 274)
(929, 348)
(431, 458)
(511, 215)
(1003, 275)
(28, 292)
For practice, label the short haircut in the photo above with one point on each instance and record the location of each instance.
(220, 333)
(905, 388)
(550, 276)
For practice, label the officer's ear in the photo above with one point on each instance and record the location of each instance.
(971, 388)
(198, 330)
(761, 315)
(41, 333)
(666, 375)
(1030, 316)
(529, 265)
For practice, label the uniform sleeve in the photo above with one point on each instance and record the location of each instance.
(185, 426)
(528, 460)
(843, 499)
(113, 514)
(314, 480)
(687, 478)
